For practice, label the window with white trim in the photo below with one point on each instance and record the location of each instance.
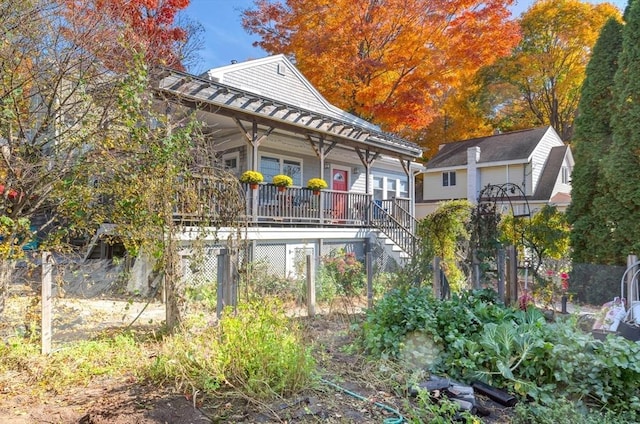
(272, 166)
(448, 179)
(378, 190)
(565, 175)
(390, 187)
(404, 189)
(231, 162)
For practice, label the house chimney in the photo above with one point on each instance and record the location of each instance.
(473, 176)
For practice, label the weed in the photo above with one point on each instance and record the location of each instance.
(436, 411)
(257, 351)
(75, 365)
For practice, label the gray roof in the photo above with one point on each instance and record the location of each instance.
(207, 93)
(511, 146)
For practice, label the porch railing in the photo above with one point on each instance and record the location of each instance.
(295, 205)
(268, 204)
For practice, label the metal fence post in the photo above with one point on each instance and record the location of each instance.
(632, 294)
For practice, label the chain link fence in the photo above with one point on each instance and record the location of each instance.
(92, 296)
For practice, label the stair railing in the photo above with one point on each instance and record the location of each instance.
(395, 222)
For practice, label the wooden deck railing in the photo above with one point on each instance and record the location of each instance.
(269, 205)
(296, 205)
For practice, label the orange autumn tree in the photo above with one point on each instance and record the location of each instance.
(139, 25)
(539, 83)
(389, 61)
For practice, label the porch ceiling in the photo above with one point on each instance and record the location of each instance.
(219, 99)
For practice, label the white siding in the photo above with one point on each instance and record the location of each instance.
(266, 81)
(540, 155)
(496, 175)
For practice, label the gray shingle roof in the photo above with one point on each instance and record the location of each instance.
(311, 113)
(511, 146)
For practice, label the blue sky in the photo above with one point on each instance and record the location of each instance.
(225, 39)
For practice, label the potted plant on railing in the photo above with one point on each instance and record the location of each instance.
(253, 178)
(317, 184)
(282, 181)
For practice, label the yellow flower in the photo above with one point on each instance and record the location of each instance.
(317, 184)
(282, 180)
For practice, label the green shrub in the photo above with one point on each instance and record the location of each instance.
(346, 271)
(563, 411)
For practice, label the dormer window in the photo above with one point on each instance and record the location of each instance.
(449, 179)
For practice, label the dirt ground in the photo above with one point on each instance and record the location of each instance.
(350, 391)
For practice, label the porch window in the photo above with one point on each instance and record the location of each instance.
(231, 162)
(270, 167)
(448, 179)
(404, 189)
(391, 188)
(378, 190)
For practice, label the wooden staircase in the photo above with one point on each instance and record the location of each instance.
(396, 227)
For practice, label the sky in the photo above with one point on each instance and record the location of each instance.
(225, 39)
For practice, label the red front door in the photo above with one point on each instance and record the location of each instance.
(340, 179)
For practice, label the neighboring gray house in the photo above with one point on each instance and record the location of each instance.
(535, 160)
(271, 119)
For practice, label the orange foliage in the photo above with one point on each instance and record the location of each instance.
(389, 61)
(104, 26)
(548, 66)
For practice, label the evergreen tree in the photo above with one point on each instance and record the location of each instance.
(592, 139)
(622, 164)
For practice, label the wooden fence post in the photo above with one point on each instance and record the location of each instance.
(368, 258)
(45, 317)
(501, 262)
(222, 282)
(311, 286)
(437, 281)
(512, 276)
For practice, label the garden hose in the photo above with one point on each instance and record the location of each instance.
(399, 419)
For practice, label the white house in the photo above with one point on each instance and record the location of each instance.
(265, 116)
(534, 166)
